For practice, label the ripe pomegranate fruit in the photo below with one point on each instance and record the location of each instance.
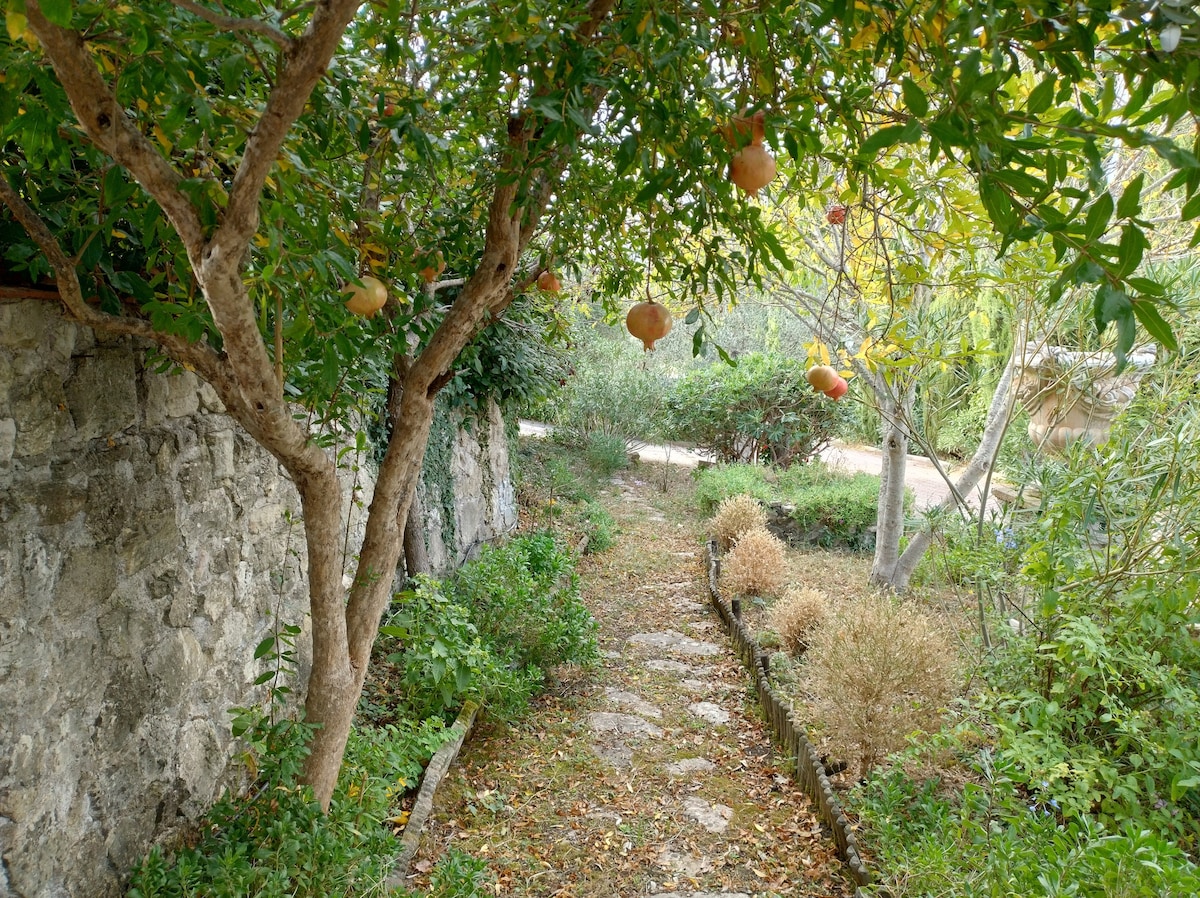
(838, 390)
(648, 321)
(836, 215)
(821, 377)
(367, 299)
(752, 168)
(548, 283)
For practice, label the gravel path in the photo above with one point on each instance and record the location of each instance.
(653, 776)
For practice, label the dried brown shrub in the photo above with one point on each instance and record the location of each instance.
(879, 671)
(755, 566)
(735, 515)
(797, 613)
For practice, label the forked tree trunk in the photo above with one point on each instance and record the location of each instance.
(998, 417)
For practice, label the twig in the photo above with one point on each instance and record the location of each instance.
(234, 23)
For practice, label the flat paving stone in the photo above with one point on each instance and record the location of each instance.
(622, 724)
(683, 863)
(690, 765)
(714, 714)
(617, 754)
(674, 641)
(670, 666)
(713, 817)
(631, 702)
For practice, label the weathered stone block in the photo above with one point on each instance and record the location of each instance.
(102, 393)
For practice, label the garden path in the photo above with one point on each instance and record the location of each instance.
(652, 776)
(921, 476)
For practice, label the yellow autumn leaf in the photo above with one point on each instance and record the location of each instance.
(162, 138)
(16, 23)
(644, 23)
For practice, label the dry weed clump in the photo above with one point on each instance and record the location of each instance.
(755, 566)
(735, 515)
(799, 611)
(879, 671)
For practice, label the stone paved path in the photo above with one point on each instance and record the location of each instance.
(654, 776)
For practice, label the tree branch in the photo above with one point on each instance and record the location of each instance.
(232, 23)
(110, 128)
(304, 64)
(199, 356)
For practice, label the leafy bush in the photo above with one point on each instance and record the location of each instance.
(838, 509)
(276, 842)
(762, 408)
(606, 453)
(716, 484)
(879, 671)
(524, 598)
(443, 661)
(798, 612)
(592, 520)
(611, 392)
(755, 566)
(735, 516)
(987, 838)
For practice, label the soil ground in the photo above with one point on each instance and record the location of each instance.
(654, 774)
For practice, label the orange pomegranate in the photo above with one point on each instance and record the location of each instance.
(821, 377)
(836, 215)
(745, 129)
(838, 390)
(649, 321)
(752, 168)
(548, 282)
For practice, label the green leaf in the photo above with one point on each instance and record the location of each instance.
(57, 12)
(264, 647)
(1147, 313)
(1191, 208)
(914, 98)
(889, 136)
(1098, 217)
(1131, 199)
(1111, 303)
(1129, 252)
(1041, 96)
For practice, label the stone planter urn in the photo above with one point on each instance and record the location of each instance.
(1072, 395)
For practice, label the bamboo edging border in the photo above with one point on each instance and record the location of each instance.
(807, 770)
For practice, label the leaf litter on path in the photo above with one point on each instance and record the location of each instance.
(551, 817)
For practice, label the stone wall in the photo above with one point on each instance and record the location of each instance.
(146, 547)
(466, 493)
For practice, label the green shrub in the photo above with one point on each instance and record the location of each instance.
(610, 392)
(763, 408)
(720, 482)
(838, 509)
(606, 453)
(591, 519)
(524, 598)
(443, 661)
(987, 838)
(276, 843)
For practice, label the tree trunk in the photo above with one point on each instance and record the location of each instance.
(999, 414)
(416, 556)
(889, 523)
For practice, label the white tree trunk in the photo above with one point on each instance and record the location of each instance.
(896, 411)
(999, 415)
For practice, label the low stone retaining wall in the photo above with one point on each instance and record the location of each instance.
(807, 769)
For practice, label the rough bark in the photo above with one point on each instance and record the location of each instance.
(416, 555)
(980, 465)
